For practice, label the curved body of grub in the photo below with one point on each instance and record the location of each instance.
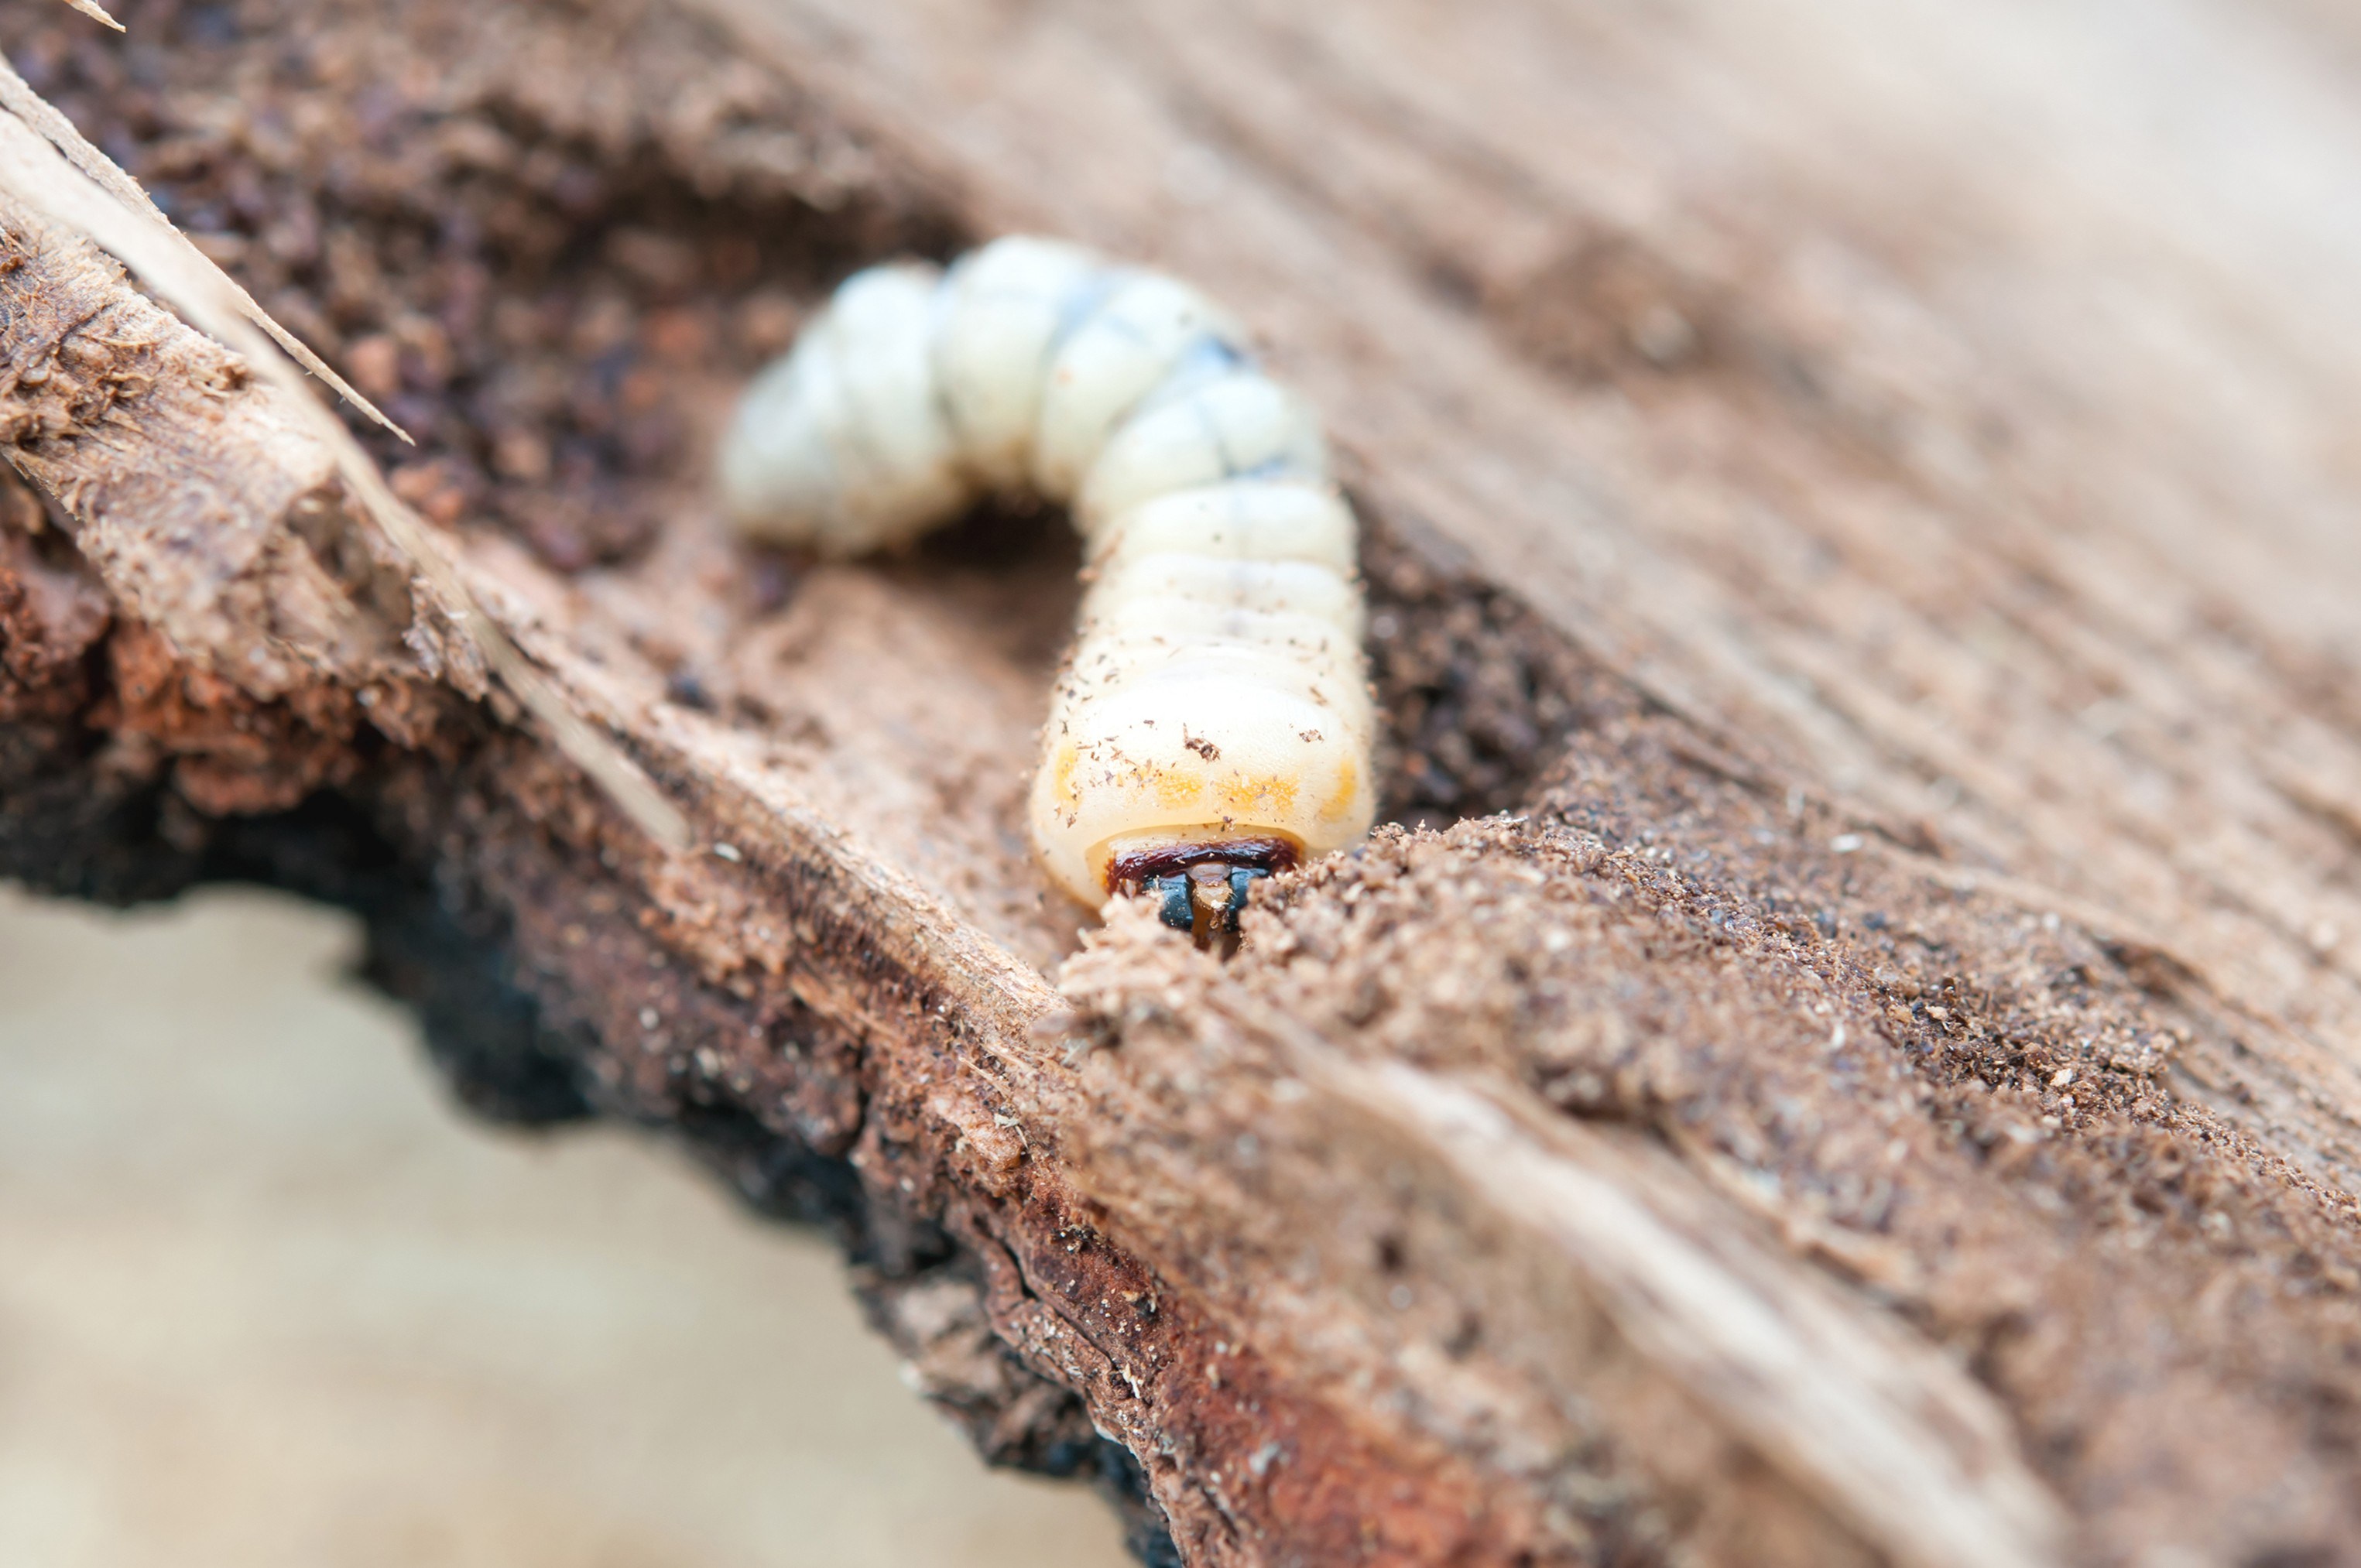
(1214, 719)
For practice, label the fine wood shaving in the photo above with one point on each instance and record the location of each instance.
(95, 12)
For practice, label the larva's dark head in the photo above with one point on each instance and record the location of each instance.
(1204, 900)
(1130, 865)
(1201, 887)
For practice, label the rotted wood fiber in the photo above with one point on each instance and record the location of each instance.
(1845, 1053)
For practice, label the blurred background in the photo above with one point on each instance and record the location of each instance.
(269, 1300)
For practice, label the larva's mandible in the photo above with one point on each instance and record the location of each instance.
(1213, 721)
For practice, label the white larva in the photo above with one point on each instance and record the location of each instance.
(1214, 719)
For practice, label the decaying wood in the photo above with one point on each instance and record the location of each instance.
(1862, 539)
(55, 175)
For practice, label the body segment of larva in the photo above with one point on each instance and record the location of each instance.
(1213, 722)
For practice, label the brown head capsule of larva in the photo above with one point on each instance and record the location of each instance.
(1213, 722)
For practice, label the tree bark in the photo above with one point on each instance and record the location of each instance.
(1849, 1048)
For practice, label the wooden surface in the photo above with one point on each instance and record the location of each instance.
(2002, 481)
(1864, 495)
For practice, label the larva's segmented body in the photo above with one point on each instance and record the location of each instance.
(1214, 719)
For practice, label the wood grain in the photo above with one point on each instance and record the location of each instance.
(1886, 1089)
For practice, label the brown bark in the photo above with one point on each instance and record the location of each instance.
(1868, 1076)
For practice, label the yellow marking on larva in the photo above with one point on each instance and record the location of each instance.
(1273, 794)
(1176, 788)
(1340, 800)
(1171, 785)
(1221, 625)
